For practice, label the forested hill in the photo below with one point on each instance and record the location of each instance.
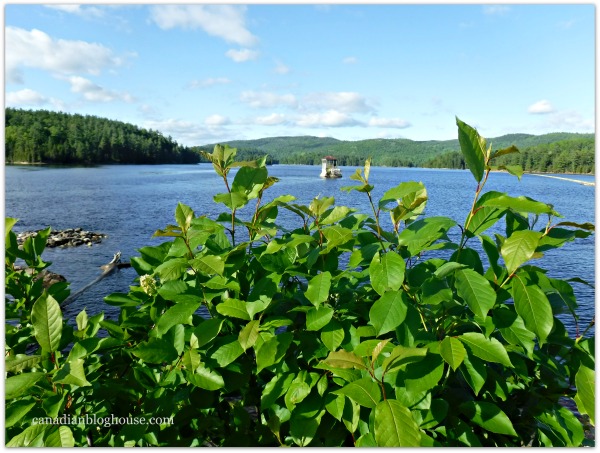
(400, 152)
(51, 137)
(574, 154)
(42, 136)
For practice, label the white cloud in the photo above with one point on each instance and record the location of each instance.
(79, 10)
(186, 132)
(216, 120)
(569, 121)
(265, 99)
(25, 97)
(36, 49)
(495, 10)
(541, 107)
(331, 118)
(227, 22)
(389, 122)
(281, 68)
(350, 60)
(343, 101)
(211, 81)
(241, 55)
(95, 93)
(270, 120)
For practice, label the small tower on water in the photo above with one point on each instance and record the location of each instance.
(329, 168)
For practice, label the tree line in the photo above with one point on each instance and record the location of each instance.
(43, 136)
(565, 156)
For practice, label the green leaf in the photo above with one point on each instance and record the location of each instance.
(206, 379)
(501, 152)
(317, 318)
(586, 393)
(15, 412)
(337, 236)
(387, 272)
(396, 194)
(276, 387)
(474, 372)
(47, 322)
(489, 416)
(121, 300)
(207, 331)
(296, 394)
(484, 218)
(82, 320)
(402, 355)
(249, 181)
(452, 351)
(473, 148)
(318, 288)
(394, 425)
(155, 350)
(234, 308)
(448, 268)
(248, 335)
(345, 359)
(32, 436)
(332, 335)
(388, 312)
(20, 362)
(513, 329)
(180, 313)
(232, 200)
(435, 291)
(183, 216)
(364, 391)
(72, 373)
(172, 269)
(519, 248)
(62, 437)
(518, 204)
(209, 265)
(273, 350)
(515, 170)
(334, 404)
(488, 349)
(18, 385)
(227, 352)
(533, 306)
(476, 291)
(422, 234)
(337, 214)
(9, 222)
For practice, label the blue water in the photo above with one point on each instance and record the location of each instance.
(129, 203)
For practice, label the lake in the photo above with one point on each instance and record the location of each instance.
(130, 202)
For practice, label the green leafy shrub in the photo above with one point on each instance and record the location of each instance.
(339, 332)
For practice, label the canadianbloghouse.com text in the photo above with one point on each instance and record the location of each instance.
(92, 419)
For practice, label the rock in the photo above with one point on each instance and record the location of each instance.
(48, 278)
(71, 237)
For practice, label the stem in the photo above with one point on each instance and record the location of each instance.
(376, 215)
(473, 211)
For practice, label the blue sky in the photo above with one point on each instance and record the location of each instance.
(212, 73)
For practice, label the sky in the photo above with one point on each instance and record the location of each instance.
(209, 73)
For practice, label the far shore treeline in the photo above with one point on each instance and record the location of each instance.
(41, 136)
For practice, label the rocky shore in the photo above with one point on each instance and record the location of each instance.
(71, 237)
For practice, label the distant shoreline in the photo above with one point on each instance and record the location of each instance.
(540, 173)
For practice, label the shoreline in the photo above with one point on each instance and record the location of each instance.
(538, 173)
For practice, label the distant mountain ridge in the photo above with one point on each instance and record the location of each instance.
(384, 152)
